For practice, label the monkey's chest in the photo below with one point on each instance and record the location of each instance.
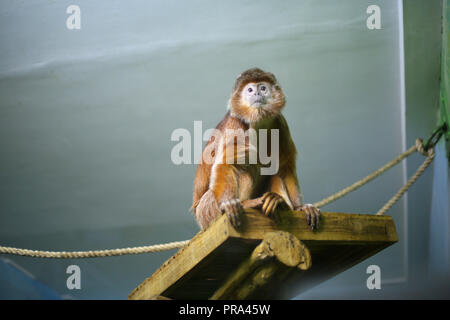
(261, 152)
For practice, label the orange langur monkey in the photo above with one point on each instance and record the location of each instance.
(220, 185)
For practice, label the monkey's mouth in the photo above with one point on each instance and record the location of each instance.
(258, 102)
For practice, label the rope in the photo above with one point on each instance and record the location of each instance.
(417, 174)
(178, 244)
(419, 147)
(93, 253)
(370, 177)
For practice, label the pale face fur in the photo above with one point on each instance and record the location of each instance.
(256, 95)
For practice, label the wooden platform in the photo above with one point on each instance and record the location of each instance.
(222, 263)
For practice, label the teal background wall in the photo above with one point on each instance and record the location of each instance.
(86, 118)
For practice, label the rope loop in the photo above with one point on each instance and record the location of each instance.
(419, 147)
(422, 150)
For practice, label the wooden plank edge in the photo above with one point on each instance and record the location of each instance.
(333, 227)
(183, 261)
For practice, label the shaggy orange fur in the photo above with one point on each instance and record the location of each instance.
(221, 186)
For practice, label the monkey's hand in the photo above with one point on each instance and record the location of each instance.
(233, 209)
(312, 215)
(270, 202)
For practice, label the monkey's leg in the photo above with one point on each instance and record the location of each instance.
(276, 195)
(270, 202)
(245, 185)
(207, 210)
(233, 209)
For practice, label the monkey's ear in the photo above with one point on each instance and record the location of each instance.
(229, 103)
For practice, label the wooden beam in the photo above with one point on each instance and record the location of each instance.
(279, 252)
(333, 226)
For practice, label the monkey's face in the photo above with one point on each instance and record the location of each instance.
(256, 95)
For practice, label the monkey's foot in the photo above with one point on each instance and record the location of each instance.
(233, 209)
(270, 202)
(312, 215)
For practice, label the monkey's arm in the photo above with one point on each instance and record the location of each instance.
(289, 177)
(285, 183)
(296, 198)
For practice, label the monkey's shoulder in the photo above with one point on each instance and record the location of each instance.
(233, 123)
(227, 123)
(276, 122)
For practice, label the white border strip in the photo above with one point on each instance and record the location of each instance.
(401, 37)
(402, 89)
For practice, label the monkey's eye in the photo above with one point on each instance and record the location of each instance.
(263, 88)
(250, 90)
